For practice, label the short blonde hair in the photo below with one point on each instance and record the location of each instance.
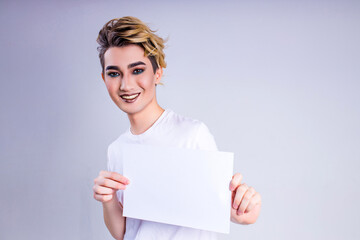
(123, 31)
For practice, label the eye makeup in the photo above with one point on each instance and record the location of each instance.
(112, 74)
(138, 71)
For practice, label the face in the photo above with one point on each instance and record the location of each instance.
(130, 79)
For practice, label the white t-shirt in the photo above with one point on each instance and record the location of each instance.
(174, 130)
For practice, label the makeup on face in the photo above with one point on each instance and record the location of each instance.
(131, 65)
(129, 78)
(130, 97)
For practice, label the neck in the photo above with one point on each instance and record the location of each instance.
(142, 121)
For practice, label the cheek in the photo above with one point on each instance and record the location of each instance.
(147, 83)
(112, 86)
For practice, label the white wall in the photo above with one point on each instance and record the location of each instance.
(277, 82)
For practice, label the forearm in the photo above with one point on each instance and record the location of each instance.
(113, 217)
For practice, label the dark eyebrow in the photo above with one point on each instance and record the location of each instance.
(112, 68)
(131, 65)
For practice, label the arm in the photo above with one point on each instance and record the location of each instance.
(113, 217)
(105, 187)
(246, 202)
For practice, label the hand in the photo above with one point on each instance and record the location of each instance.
(245, 201)
(106, 185)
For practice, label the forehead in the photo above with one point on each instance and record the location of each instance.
(122, 56)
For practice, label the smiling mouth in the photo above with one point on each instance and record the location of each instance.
(130, 98)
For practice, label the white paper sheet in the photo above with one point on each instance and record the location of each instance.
(178, 186)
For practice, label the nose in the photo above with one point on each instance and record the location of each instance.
(126, 84)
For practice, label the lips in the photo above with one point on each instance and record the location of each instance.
(130, 97)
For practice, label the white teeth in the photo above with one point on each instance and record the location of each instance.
(131, 96)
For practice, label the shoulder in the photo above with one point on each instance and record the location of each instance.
(205, 138)
(183, 124)
(183, 121)
(115, 145)
(114, 149)
(193, 129)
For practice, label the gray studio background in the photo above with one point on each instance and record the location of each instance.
(276, 82)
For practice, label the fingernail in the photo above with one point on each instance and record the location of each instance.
(234, 206)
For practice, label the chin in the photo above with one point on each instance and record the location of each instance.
(131, 110)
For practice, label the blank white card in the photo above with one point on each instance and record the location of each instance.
(177, 186)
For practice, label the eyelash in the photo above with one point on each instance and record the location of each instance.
(111, 74)
(115, 74)
(138, 71)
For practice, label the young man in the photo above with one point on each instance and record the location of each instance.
(132, 61)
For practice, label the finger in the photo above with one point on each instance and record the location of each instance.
(235, 181)
(256, 199)
(105, 182)
(240, 191)
(102, 190)
(246, 200)
(103, 197)
(114, 176)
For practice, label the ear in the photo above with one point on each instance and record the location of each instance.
(102, 75)
(158, 75)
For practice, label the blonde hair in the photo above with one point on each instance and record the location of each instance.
(123, 31)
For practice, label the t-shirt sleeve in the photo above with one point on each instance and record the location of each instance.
(109, 167)
(205, 140)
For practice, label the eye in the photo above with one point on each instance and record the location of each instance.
(113, 74)
(138, 71)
